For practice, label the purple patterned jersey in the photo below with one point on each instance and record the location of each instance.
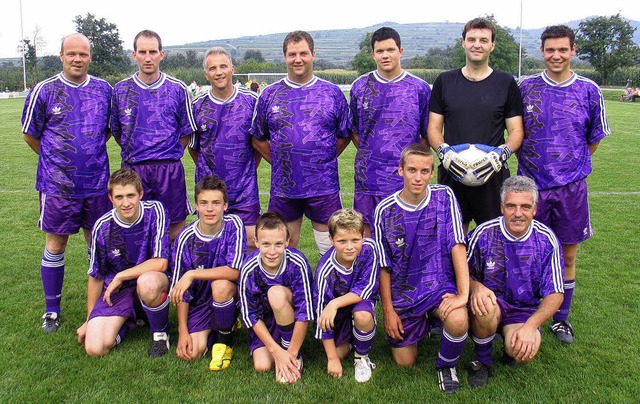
(303, 124)
(71, 121)
(388, 115)
(561, 120)
(332, 280)
(117, 245)
(520, 271)
(194, 250)
(224, 146)
(294, 273)
(150, 119)
(414, 244)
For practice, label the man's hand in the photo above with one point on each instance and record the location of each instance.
(286, 366)
(113, 287)
(451, 302)
(452, 161)
(482, 299)
(525, 342)
(177, 292)
(334, 368)
(327, 317)
(393, 324)
(492, 163)
(81, 333)
(184, 349)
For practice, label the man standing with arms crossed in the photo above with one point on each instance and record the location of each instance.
(66, 123)
(153, 123)
(564, 121)
(300, 127)
(389, 111)
(475, 104)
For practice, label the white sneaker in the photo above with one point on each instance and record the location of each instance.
(363, 366)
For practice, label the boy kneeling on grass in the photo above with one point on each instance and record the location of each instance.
(207, 256)
(345, 295)
(276, 300)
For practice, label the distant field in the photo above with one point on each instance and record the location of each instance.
(601, 366)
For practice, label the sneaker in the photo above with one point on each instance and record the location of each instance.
(448, 380)
(50, 321)
(363, 366)
(221, 356)
(563, 331)
(478, 374)
(159, 345)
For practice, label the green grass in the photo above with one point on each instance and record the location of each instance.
(601, 366)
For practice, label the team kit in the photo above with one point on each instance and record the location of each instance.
(406, 249)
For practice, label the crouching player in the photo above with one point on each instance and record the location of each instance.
(276, 300)
(207, 256)
(514, 262)
(421, 249)
(128, 257)
(345, 294)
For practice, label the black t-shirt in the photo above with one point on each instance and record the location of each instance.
(475, 111)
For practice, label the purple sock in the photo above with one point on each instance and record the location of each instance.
(286, 332)
(52, 273)
(224, 318)
(158, 316)
(563, 312)
(121, 334)
(363, 340)
(483, 348)
(450, 349)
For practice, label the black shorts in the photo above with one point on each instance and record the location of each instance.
(479, 204)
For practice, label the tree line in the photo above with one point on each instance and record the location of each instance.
(604, 44)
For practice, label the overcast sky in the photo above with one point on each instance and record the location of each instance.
(195, 20)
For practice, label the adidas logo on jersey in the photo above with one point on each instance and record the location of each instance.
(275, 109)
(56, 111)
(116, 252)
(200, 267)
(203, 127)
(529, 108)
(127, 111)
(365, 105)
(400, 242)
(491, 263)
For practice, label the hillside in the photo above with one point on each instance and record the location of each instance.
(340, 46)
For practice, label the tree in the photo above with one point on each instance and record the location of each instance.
(607, 43)
(505, 55)
(107, 56)
(363, 62)
(253, 54)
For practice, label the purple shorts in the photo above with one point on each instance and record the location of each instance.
(566, 211)
(366, 204)
(343, 324)
(164, 181)
(60, 215)
(318, 208)
(125, 304)
(248, 214)
(200, 317)
(270, 321)
(513, 315)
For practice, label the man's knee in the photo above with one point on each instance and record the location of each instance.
(363, 320)
(222, 290)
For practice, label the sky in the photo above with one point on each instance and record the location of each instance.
(196, 20)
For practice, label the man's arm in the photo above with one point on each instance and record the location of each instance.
(392, 322)
(593, 147)
(434, 130)
(461, 269)
(94, 288)
(331, 309)
(515, 132)
(33, 143)
(263, 148)
(334, 367)
(523, 340)
(184, 349)
(285, 363)
(211, 274)
(152, 264)
(343, 142)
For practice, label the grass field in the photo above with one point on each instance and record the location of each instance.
(601, 366)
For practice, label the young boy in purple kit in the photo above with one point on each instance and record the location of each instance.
(345, 295)
(276, 300)
(129, 257)
(207, 256)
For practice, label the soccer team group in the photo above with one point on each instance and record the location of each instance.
(405, 244)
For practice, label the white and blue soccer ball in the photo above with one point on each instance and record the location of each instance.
(474, 156)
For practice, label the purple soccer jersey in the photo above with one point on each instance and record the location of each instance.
(117, 245)
(294, 273)
(224, 146)
(71, 121)
(194, 250)
(303, 124)
(520, 271)
(150, 119)
(388, 115)
(414, 243)
(561, 120)
(332, 280)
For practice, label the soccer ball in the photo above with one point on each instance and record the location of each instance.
(472, 155)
